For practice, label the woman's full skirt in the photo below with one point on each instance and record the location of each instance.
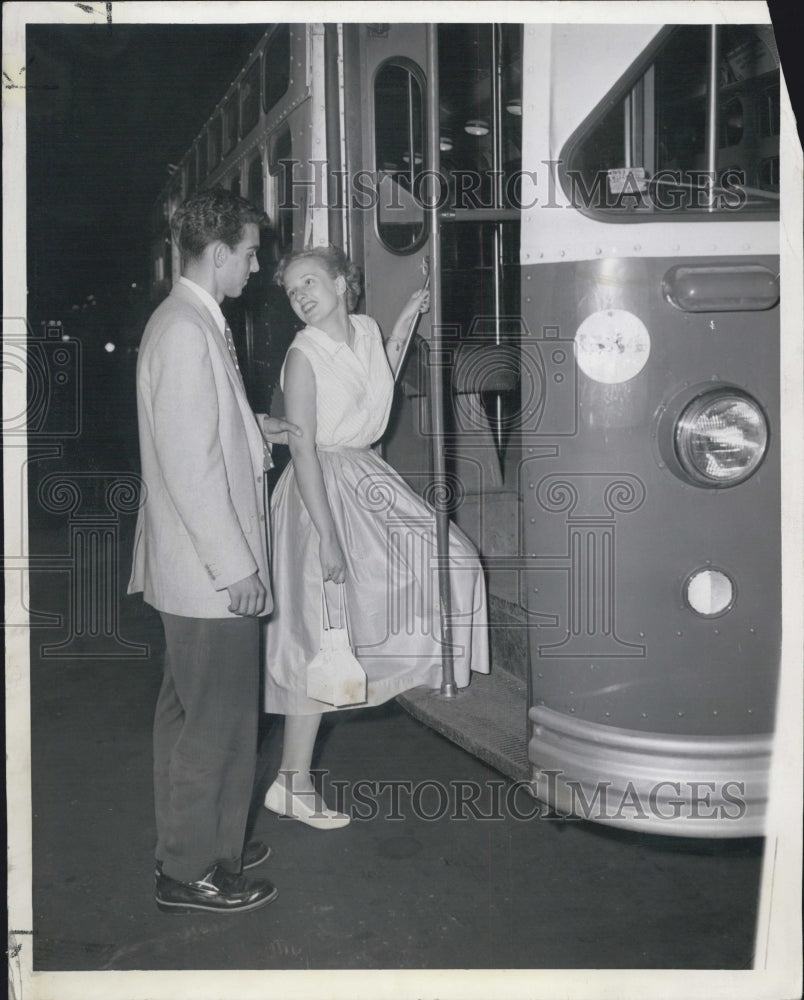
(388, 536)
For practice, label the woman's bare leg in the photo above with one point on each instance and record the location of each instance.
(297, 751)
(293, 792)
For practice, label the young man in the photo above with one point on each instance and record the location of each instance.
(201, 559)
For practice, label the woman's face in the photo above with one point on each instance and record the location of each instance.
(314, 295)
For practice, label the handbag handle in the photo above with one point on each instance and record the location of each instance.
(326, 622)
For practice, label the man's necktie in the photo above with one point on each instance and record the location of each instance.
(266, 451)
(232, 351)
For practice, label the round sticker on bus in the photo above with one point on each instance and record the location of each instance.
(612, 345)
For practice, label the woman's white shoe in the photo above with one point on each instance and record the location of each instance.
(279, 799)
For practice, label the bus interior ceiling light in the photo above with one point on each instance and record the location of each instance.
(721, 437)
(476, 126)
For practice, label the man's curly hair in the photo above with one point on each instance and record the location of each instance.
(209, 215)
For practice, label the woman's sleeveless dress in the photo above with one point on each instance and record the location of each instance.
(388, 538)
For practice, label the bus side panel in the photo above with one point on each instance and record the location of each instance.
(612, 534)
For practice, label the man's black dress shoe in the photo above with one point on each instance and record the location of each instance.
(216, 892)
(255, 853)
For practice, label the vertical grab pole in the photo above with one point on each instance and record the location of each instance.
(712, 118)
(497, 240)
(448, 689)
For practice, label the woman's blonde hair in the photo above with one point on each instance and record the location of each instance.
(336, 263)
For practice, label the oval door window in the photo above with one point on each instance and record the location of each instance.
(399, 156)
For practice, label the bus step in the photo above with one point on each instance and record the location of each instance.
(488, 718)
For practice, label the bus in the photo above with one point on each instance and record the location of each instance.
(597, 403)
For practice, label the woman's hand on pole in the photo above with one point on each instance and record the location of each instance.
(419, 302)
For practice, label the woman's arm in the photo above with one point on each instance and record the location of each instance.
(299, 390)
(419, 302)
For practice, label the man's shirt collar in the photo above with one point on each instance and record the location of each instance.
(209, 302)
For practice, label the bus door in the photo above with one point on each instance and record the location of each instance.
(388, 233)
(475, 186)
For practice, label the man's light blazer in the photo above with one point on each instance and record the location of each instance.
(202, 524)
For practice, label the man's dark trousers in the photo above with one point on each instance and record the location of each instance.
(205, 736)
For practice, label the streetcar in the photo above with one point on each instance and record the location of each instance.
(597, 401)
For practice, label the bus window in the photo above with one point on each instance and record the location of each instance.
(175, 196)
(277, 67)
(230, 124)
(769, 111)
(731, 122)
(250, 98)
(645, 150)
(167, 260)
(255, 191)
(399, 150)
(769, 174)
(202, 157)
(215, 142)
(283, 212)
(480, 78)
(192, 175)
(480, 129)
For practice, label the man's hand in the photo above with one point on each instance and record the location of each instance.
(276, 431)
(247, 597)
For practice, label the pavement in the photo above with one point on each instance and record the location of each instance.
(417, 880)
(444, 866)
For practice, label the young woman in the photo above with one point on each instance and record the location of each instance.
(342, 515)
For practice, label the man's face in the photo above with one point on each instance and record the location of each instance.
(240, 263)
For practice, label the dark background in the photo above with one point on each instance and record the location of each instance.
(108, 108)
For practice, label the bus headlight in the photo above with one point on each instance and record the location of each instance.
(721, 437)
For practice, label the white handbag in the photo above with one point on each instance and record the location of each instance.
(334, 675)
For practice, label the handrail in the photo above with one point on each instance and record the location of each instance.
(711, 117)
(448, 688)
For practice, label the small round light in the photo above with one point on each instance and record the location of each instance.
(109, 348)
(514, 107)
(476, 126)
(721, 437)
(709, 592)
(445, 144)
